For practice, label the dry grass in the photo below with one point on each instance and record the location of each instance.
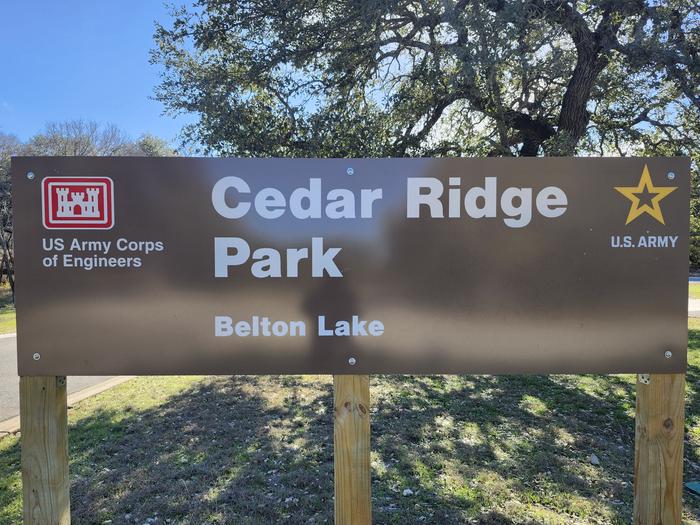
(694, 290)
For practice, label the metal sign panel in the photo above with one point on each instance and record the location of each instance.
(228, 266)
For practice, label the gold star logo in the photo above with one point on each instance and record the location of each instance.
(646, 189)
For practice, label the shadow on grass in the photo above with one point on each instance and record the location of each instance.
(530, 442)
(217, 453)
(528, 447)
(471, 449)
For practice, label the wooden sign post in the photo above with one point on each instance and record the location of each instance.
(658, 458)
(351, 441)
(44, 430)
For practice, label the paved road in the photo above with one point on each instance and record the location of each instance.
(9, 381)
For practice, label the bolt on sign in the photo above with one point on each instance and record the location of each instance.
(223, 266)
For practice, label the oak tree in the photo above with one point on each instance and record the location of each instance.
(434, 77)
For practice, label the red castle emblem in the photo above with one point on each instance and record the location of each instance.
(78, 203)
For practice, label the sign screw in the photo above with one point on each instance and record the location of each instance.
(30, 175)
(350, 171)
(352, 361)
(670, 175)
(668, 354)
(37, 356)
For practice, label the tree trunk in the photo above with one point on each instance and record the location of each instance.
(530, 147)
(574, 116)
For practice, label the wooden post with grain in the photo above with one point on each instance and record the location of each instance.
(658, 458)
(44, 437)
(353, 491)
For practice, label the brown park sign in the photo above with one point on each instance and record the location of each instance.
(231, 266)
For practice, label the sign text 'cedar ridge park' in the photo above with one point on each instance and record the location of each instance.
(190, 265)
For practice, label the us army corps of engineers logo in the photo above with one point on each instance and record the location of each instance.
(645, 200)
(77, 203)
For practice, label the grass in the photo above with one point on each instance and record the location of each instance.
(7, 311)
(258, 449)
(694, 290)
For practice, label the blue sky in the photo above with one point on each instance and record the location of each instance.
(64, 60)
